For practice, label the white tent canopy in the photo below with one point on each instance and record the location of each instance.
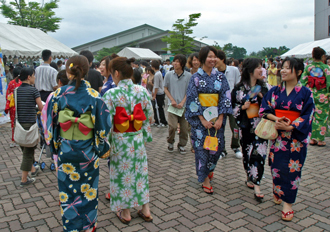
(27, 42)
(305, 50)
(139, 53)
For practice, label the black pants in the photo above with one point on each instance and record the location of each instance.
(44, 95)
(160, 102)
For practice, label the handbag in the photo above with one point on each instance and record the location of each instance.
(25, 138)
(266, 129)
(210, 142)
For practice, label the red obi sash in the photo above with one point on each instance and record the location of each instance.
(129, 123)
(317, 82)
(290, 114)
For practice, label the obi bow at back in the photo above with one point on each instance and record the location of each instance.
(129, 123)
(75, 128)
(317, 82)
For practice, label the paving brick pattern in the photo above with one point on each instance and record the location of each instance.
(177, 201)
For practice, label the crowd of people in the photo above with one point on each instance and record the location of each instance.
(107, 111)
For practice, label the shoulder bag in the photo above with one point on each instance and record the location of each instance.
(25, 138)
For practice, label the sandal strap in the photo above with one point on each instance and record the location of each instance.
(287, 213)
(207, 187)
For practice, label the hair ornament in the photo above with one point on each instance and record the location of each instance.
(71, 65)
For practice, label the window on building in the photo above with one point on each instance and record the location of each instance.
(329, 25)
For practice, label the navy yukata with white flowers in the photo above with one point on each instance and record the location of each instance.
(288, 151)
(201, 82)
(78, 160)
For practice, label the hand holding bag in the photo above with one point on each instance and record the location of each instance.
(25, 138)
(211, 143)
(266, 129)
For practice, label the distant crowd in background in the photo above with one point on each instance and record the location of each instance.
(106, 110)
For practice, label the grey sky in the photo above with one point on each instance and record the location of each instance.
(251, 24)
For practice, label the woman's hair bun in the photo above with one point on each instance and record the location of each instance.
(130, 60)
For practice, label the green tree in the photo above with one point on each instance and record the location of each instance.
(32, 14)
(180, 39)
(233, 51)
(106, 52)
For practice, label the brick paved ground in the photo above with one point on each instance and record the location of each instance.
(177, 200)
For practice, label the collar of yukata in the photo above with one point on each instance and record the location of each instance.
(125, 83)
(201, 71)
(296, 88)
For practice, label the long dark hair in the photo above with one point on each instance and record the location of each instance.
(77, 66)
(249, 65)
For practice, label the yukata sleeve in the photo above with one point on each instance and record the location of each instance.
(224, 105)
(52, 123)
(304, 76)
(107, 98)
(193, 106)
(44, 117)
(303, 124)
(268, 103)
(236, 103)
(147, 109)
(102, 125)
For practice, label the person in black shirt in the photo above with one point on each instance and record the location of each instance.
(27, 98)
(93, 76)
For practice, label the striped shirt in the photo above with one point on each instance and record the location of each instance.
(45, 77)
(26, 103)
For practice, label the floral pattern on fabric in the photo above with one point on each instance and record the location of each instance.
(288, 151)
(10, 90)
(78, 162)
(254, 149)
(129, 184)
(321, 98)
(201, 82)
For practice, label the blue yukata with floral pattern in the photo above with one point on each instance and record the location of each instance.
(254, 149)
(288, 151)
(107, 85)
(78, 160)
(201, 82)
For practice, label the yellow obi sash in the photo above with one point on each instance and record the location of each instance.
(75, 128)
(208, 99)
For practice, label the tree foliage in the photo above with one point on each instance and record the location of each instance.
(180, 40)
(106, 52)
(232, 51)
(269, 52)
(32, 14)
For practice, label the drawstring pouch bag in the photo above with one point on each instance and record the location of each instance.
(211, 143)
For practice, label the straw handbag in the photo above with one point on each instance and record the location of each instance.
(266, 129)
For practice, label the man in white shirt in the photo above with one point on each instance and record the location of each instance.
(233, 77)
(45, 75)
(175, 87)
(167, 66)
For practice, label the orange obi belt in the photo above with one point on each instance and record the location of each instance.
(317, 82)
(253, 110)
(292, 115)
(129, 123)
(208, 99)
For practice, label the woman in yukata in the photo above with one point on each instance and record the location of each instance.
(207, 87)
(78, 123)
(246, 103)
(130, 108)
(108, 81)
(288, 151)
(317, 78)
